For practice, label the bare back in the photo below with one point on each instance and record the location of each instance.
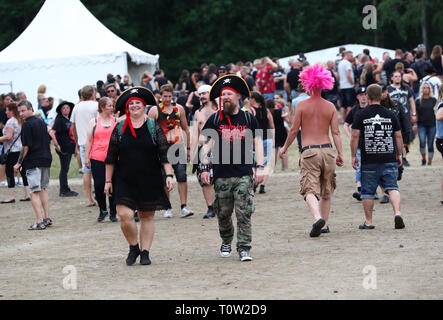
(315, 116)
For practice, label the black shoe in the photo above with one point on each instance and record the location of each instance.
(262, 189)
(326, 230)
(136, 218)
(113, 217)
(209, 214)
(102, 216)
(68, 194)
(144, 257)
(134, 252)
(316, 228)
(364, 226)
(399, 224)
(384, 199)
(357, 195)
(406, 162)
(423, 162)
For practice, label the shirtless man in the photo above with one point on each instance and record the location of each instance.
(200, 117)
(317, 168)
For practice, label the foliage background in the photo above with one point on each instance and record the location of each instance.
(188, 33)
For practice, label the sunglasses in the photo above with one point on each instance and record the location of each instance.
(109, 91)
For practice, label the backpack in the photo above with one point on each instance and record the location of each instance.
(151, 128)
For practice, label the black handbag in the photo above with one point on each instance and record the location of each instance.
(4, 155)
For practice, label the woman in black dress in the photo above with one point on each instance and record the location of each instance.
(137, 151)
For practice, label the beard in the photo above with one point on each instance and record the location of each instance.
(229, 108)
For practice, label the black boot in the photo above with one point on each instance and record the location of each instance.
(134, 252)
(102, 216)
(144, 257)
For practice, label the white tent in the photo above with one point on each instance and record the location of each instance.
(322, 56)
(65, 47)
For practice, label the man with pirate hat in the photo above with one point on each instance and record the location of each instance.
(137, 152)
(231, 136)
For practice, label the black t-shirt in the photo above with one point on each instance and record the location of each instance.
(226, 164)
(377, 127)
(62, 127)
(401, 96)
(34, 135)
(161, 81)
(389, 66)
(425, 111)
(293, 78)
(250, 82)
(279, 85)
(351, 115)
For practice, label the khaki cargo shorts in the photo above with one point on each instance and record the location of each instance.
(317, 172)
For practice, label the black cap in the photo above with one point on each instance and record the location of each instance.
(361, 90)
(135, 92)
(229, 81)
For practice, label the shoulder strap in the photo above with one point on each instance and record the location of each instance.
(120, 129)
(95, 126)
(248, 118)
(151, 128)
(216, 119)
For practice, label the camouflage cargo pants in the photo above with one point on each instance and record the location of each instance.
(235, 193)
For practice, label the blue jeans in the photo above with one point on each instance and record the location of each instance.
(358, 171)
(267, 148)
(426, 132)
(375, 174)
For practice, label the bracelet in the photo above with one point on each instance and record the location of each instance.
(169, 176)
(260, 166)
(188, 148)
(108, 181)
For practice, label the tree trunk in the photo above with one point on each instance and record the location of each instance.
(424, 32)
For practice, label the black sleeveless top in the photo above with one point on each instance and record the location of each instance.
(261, 114)
(437, 64)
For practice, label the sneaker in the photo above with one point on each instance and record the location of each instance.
(399, 224)
(144, 258)
(102, 216)
(134, 252)
(384, 199)
(316, 228)
(225, 250)
(69, 194)
(262, 189)
(209, 214)
(186, 212)
(244, 255)
(423, 162)
(357, 195)
(3, 184)
(136, 218)
(113, 217)
(168, 214)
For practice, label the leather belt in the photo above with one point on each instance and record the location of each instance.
(317, 146)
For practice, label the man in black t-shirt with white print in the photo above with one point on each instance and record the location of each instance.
(379, 134)
(231, 135)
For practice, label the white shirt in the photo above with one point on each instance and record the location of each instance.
(83, 112)
(434, 82)
(343, 67)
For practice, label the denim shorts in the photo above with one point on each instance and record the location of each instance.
(82, 156)
(378, 174)
(267, 149)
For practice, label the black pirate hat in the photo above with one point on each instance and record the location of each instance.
(230, 81)
(138, 93)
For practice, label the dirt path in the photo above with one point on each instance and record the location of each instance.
(186, 263)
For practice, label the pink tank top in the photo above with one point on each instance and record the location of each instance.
(100, 142)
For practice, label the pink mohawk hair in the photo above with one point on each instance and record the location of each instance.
(316, 77)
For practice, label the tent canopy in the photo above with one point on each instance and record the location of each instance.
(66, 44)
(322, 56)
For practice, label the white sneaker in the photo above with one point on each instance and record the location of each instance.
(225, 250)
(186, 212)
(244, 255)
(168, 214)
(3, 184)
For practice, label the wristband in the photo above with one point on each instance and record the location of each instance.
(260, 167)
(169, 176)
(188, 148)
(108, 181)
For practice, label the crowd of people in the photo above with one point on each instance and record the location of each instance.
(132, 139)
